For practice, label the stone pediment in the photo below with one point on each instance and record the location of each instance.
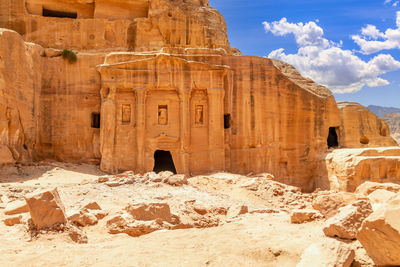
(162, 62)
(162, 138)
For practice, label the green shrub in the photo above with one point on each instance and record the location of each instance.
(69, 55)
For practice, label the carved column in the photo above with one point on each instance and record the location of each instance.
(140, 128)
(184, 97)
(216, 129)
(107, 131)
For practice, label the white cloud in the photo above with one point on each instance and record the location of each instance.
(326, 62)
(372, 40)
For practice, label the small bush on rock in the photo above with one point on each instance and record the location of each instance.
(69, 55)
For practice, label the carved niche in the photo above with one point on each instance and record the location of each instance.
(162, 114)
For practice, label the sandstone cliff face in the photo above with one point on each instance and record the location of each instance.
(393, 121)
(361, 128)
(19, 86)
(115, 25)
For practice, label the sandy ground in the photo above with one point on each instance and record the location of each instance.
(258, 239)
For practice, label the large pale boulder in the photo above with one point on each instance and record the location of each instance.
(346, 223)
(368, 187)
(328, 203)
(328, 253)
(46, 209)
(380, 234)
(151, 211)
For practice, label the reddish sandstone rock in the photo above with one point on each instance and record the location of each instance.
(151, 211)
(328, 203)
(10, 221)
(46, 209)
(380, 234)
(82, 218)
(328, 253)
(77, 235)
(347, 221)
(301, 216)
(16, 207)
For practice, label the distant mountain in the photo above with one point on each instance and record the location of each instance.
(382, 111)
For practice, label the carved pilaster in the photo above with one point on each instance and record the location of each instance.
(184, 98)
(140, 128)
(216, 128)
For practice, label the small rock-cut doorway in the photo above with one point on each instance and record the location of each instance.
(163, 161)
(332, 138)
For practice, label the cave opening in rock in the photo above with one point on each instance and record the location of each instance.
(332, 138)
(58, 14)
(163, 161)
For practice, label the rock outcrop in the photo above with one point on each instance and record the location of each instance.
(380, 234)
(362, 128)
(349, 168)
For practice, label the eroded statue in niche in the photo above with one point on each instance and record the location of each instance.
(199, 114)
(163, 115)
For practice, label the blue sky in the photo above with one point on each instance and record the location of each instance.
(328, 41)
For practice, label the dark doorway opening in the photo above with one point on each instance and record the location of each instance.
(163, 161)
(59, 14)
(227, 121)
(96, 120)
(332, 138)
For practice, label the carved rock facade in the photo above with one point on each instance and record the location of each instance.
(173, 95)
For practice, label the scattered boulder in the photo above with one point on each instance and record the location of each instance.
(348, 220)
(302, 216)
(369, 187)
(46, 208)
(10, 221)
(103, 179)
(16, 207)
(236, 210)
(328, 202)
(380, 234)
(176, 180)
(77, 235)
(89, 214)
(123, 224)
(329, 253)
(151, 211)
(82, 218)
(92, 206)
